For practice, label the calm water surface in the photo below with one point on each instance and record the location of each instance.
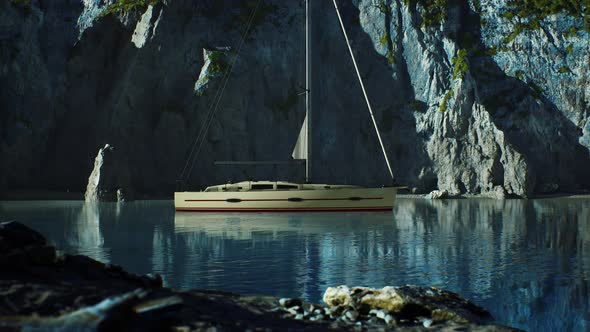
(527, 261)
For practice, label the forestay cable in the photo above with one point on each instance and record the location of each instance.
(364, 92)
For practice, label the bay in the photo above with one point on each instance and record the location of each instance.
(527, 261)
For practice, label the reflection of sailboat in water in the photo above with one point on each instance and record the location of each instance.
(244, 226)
(281, 196)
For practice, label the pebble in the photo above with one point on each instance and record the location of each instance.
(427, 323)
(351, 314)
(288, 302)
(389, 320)
(299, 316)
(373, 321)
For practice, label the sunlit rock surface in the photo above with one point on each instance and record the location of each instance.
(412, 303)
(515, 116)
(143, 28)
(211, 70)
(108, 179)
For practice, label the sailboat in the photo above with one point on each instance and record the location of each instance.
(283, 196)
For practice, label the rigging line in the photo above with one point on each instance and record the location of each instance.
(364, 91)
(213, 106)
(226, 79)
(198, 138)
(202, 131)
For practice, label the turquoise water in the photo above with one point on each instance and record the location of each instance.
(527, 261)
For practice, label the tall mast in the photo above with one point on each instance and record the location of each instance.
(308, 90)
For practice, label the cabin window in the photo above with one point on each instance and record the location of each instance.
(262, 186)
(211, 189)
(286, 186)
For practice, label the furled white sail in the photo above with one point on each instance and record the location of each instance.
(300, 150)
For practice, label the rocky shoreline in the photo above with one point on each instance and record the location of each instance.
(44, 290)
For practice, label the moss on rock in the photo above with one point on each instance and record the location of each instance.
(530, 13)
(434, 11)
(127, 6)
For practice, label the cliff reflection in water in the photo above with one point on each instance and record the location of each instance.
(527, 261)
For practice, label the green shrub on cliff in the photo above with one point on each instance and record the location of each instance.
(383, 7)
(390, 57)
(218, 64)
(435, 11)
(531, 12)
(445, 101)
(460, 64)
(384, 39)
(22, 2)
(126, 6)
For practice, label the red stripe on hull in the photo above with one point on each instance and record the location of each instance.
(363, 209)
(279, 199)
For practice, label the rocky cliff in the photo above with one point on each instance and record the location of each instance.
(471, 96)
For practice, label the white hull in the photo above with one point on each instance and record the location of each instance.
(342, 199)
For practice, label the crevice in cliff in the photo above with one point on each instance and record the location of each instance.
(401, 66)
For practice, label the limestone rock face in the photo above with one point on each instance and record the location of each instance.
(438, 194)
(146, 26)
(91, 11)
(108, 179)
(498, 121)
(585, 139)
(461, 107)
(213, 67)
